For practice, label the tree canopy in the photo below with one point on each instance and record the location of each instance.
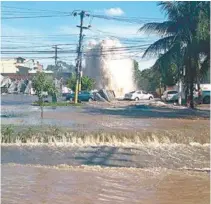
(87, 84)
(184, 40)
(61, 66)
(43, 83)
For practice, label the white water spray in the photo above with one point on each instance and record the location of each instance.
(112, 69)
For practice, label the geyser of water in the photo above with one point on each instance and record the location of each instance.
(107, 63)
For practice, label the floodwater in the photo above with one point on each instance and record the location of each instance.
(147, 174)
(17, 110)
(160, 170)
(29, 184)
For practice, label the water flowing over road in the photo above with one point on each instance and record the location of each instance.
(132, 159)
(30, 184)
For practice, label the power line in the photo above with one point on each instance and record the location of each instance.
(136, 20)
(47, 16)
(105, 50)
(44, 46)
(37, 36)
(33, 9)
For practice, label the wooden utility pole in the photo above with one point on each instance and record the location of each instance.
(80, 69)
(79, 51)
(55, 58)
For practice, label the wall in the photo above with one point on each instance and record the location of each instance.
(8, 66)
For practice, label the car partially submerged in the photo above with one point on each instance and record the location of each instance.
(82, 96)
(138, 95)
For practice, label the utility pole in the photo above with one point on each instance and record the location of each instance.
(79, 57)
(80, 75)
(80, 69)
(54, 97)
(56, 57)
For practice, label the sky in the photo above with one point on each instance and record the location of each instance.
(42, 33)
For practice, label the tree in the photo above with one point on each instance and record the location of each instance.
(150, 79)
(203, 37)
(41, 84)
(137, 72)
(86, 83)
(169, 76)
(181, 39)
(61, 66)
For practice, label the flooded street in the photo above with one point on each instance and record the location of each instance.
(118, 115)
(105, 102)
(140, 155)
(29, 184)
(153, 173)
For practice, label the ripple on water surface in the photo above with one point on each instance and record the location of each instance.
(29, 184)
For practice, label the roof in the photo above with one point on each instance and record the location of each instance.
(45, 71)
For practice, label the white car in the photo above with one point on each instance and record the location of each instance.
(170, 96)
(138, 95)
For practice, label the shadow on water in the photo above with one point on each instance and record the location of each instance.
(99, 156)
(109, 156)
(102, 155)
(150, 112)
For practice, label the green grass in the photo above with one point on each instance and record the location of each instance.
(60, 104)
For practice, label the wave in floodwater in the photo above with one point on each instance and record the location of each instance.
(56, 137)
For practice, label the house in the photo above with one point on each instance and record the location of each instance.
(8, 66)
(19, 68)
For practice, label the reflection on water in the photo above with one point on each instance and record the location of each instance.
(28, 184)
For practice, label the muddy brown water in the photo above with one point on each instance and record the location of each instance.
(174, 172)
(147, 174)
(29, 184)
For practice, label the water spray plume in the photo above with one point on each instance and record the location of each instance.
(109, 68)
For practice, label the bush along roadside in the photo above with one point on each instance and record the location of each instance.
(56, 104)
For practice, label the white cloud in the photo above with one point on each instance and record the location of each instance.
(114, 12)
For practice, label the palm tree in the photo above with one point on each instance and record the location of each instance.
(180, 40)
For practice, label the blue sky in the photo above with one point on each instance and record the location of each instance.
(39, 31)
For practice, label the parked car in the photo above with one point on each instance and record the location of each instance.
(206, 97)
(170, 95)
(82, 96)
(173, 96)
(138, 95)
